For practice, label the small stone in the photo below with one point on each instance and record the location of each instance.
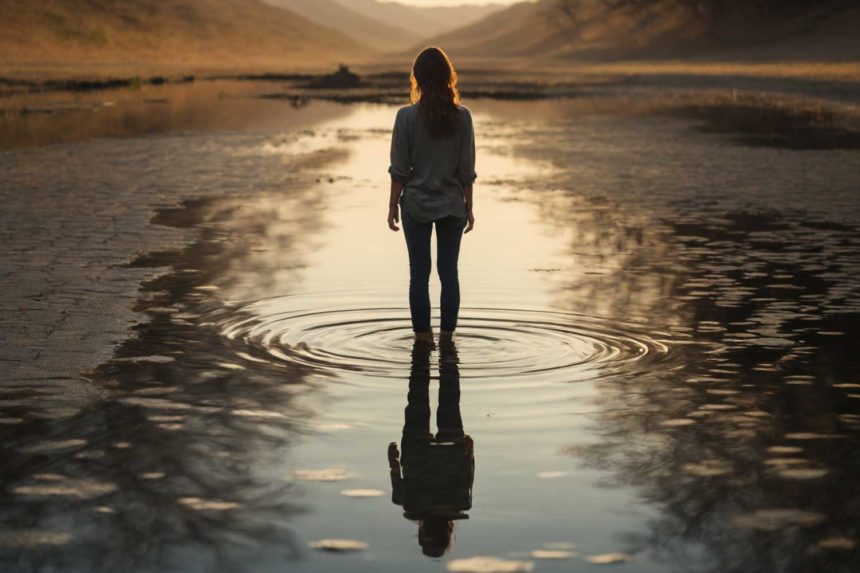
(678, 422)
(784, 450)
(338, 545)
(362, 493)
(265, 414)
(609, 558)
(837, 543)
(776, 519)
(802, 473)
(487, 564)
(708, 468)
(325, 474)
(207, 505)
(552, 554)
(52, 446)
(811, 436)
(29, 538)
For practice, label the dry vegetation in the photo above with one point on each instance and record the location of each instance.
(133, 35)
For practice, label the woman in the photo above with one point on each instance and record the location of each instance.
(432, 172)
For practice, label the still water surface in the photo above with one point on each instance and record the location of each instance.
(656, 362)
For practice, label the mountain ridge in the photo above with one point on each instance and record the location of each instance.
(656, 29)
(374, 33)
(215, 33)
(422, 22)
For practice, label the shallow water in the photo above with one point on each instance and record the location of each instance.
(656, 356)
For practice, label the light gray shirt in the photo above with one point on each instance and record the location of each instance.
(434, 171)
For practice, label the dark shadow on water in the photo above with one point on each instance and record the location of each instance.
(773, 122)
(432, 476)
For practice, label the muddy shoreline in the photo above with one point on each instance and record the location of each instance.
(791, 115)
(12, 86)
(517, 80)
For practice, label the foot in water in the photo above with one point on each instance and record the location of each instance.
(424, 336)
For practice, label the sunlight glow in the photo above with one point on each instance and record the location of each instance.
(453, 2)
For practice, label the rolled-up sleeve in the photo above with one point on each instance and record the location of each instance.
(466, 168)
(401, 162)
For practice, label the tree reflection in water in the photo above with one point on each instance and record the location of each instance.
(166, 471)
(745, 451)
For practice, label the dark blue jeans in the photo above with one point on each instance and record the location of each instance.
(449, 232)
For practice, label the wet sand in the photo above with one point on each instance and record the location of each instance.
(654, 360)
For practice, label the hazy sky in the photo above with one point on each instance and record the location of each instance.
(453, 2)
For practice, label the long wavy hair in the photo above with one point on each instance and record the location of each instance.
(434, 85)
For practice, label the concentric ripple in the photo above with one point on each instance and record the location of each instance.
(491, 342)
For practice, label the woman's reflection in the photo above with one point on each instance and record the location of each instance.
(432, 477)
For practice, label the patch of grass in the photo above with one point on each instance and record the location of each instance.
(96, 36)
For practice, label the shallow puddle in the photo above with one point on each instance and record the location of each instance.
(654, 366)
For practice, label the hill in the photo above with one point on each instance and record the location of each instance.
(422, 22)
(671, 29)
(376, 34)
(152, 33)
